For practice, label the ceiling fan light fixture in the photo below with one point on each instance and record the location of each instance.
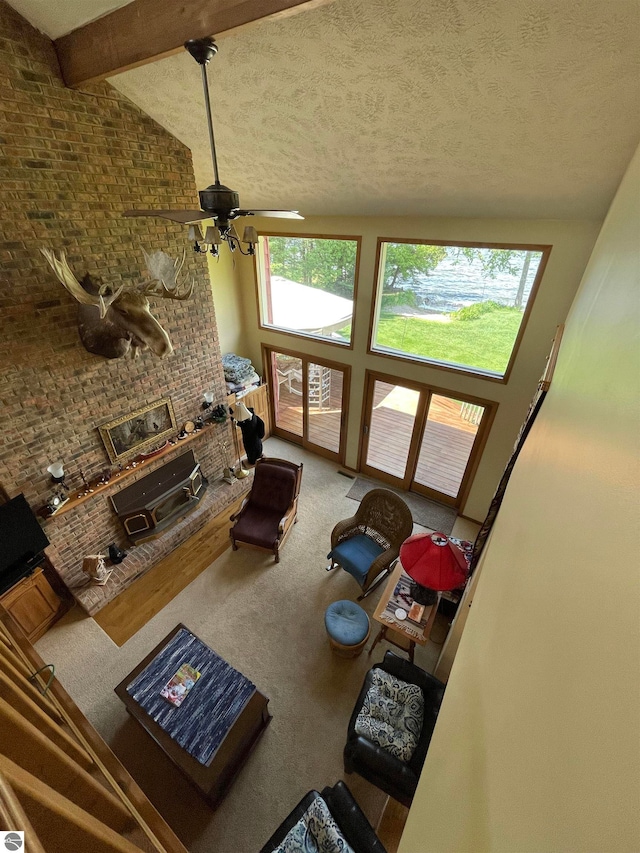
(250, 235)
(212, 236)
(217, 202)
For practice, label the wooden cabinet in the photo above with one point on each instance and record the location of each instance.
(34, 604)
(258, 400)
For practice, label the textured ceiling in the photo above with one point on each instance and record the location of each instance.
(58, 17)
(446, 107)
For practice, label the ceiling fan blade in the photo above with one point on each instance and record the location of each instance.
(184, 216)
(276, 214)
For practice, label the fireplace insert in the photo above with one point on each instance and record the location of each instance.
(154, 503)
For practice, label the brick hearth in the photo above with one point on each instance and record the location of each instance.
(140, 559)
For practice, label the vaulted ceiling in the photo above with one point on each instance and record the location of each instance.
(501, 108)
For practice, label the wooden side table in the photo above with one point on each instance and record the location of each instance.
(402, 634)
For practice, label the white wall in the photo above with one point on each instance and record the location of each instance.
(537, 744)
(572, 243)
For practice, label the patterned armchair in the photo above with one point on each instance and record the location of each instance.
(367, 544)
(351, 823)
(377, 763)
(271, 507)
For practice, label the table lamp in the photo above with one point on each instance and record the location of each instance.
(434, 563)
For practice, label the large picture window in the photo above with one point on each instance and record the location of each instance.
(463, 307)
(307, 285)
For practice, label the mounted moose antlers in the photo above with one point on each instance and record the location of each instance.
(123, 322)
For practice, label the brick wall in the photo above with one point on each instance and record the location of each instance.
(71, 162)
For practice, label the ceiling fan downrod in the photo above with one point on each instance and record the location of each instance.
(202, 51)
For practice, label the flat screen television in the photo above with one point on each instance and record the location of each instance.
(22, 541)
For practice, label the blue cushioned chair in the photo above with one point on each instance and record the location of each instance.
(367, 544)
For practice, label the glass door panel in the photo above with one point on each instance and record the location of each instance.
(308, 402)
(324, 406)
(449, 435)
(288, 392)
(391, 427)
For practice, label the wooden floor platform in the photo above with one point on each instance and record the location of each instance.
(126, 614)
(391, 825)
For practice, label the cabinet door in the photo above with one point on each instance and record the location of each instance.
(33, 604)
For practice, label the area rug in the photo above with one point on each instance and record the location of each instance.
(427, 513)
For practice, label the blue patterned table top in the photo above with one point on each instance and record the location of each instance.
(212, 705)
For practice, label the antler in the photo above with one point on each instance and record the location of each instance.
(68, 279)
(166, 275)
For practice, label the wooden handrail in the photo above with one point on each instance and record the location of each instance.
(64, 825)
(84, 792)
(12, 817)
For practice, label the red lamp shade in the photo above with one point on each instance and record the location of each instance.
(433, 561)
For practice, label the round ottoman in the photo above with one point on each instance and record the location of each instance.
(348, 628)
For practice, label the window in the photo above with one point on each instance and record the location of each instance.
(307, 285)
(462, 307)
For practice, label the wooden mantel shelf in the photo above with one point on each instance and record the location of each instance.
(80, 497)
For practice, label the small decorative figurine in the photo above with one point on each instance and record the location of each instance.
(219, 413)
(57, 500)
(116, 555)
(96, 569)
(87, 488)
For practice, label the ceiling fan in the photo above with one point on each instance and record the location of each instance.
(217, 201)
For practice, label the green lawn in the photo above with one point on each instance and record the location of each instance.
(485, 342)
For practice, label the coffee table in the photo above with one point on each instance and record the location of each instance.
(211, 734)
(401, 633)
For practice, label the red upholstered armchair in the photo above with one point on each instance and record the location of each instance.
(270, 509)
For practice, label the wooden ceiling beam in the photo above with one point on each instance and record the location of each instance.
(147, 30)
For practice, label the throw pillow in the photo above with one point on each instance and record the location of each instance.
(315, 832)
(392, 714)
(298, 840)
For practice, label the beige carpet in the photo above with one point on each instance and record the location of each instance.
(266, 619)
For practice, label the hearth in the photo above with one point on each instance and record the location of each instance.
(156, 502)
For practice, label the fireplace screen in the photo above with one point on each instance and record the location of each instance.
(171, 504)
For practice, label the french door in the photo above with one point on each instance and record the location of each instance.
(423, 439)
(308, 401)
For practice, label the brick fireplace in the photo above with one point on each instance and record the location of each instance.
(72, 163)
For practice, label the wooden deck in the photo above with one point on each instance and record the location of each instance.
(446, 445)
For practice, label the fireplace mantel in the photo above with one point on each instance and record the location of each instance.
(120, 476)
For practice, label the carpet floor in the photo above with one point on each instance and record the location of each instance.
(266, 619)
(426, 513)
